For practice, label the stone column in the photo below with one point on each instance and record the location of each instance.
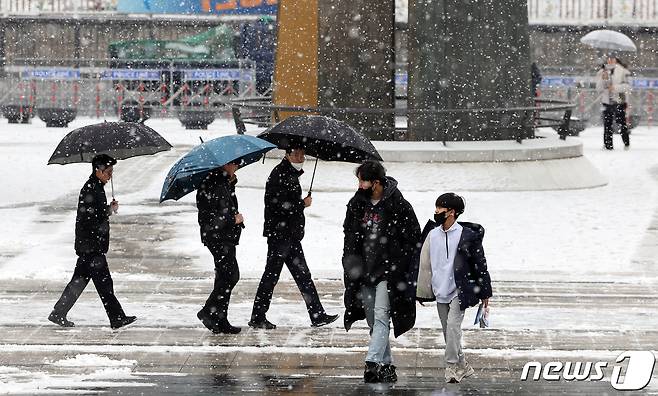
(339, 54)
(357, 62)
(469, 54)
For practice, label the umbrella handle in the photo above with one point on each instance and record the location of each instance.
(310, 189)
(112, 185)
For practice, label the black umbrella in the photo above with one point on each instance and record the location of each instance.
(120, 140)
(322, 137)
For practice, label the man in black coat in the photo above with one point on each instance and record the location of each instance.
(284, 229)
(92, 241)
(382, 240)
(220, 225)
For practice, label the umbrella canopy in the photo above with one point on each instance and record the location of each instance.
(120, 140)
(609, 40)
(188, 172)
(322, 137)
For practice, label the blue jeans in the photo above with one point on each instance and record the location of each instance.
(378, 316)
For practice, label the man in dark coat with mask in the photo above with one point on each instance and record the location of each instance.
(221, 225)
(284, 229)
(382, 241)
(92, 241)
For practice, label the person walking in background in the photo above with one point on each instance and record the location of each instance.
(535, 79)
(613, 87)
(453, 271)
(382, 239)
(92, 241)
(284, 230)
(221, 225)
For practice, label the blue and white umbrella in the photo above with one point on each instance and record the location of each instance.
(188, 172)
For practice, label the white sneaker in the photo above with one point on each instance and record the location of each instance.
(463, 372)
(451, 375)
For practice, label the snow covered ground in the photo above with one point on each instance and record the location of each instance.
(588, 234)
(86, 371)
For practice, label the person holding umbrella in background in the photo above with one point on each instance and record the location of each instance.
(284, 230)
(612, 82)
(92, 240)
(613, 86)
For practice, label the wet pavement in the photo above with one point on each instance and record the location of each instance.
(184, 358)
(167, 351)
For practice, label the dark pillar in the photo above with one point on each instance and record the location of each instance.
(356, 61)
(469, 54)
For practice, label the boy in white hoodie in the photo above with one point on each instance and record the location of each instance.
(453, 271)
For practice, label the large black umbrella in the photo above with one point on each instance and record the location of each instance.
(322, 137)
(120, 140)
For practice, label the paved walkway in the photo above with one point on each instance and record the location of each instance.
(186, 358)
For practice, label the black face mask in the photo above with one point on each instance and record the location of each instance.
(440, 218)
(369, 191)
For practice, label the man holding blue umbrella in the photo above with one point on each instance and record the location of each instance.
(210, 169)
(221, 225)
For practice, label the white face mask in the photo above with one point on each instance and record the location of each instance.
(297, 166)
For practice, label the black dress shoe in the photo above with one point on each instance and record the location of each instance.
(371, 373)
(207, 320)
(387, 373)
(60, 320)
(324, 319)
(262, 324)
(224, 327)
(123, 322)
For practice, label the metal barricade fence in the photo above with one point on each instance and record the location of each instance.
(92, 89)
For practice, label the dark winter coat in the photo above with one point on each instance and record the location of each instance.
(401, 236)
(92, 223)
(218, 205)
(535, 78)
(471, 274)
(284, 207)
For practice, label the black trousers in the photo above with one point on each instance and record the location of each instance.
(290, 253)
(614, 113)
(227, 275)
(94, 267)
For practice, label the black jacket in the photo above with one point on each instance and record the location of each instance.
(399, 252)
(471, 274)
(92, 223)
(218, 205)
(284, 207)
